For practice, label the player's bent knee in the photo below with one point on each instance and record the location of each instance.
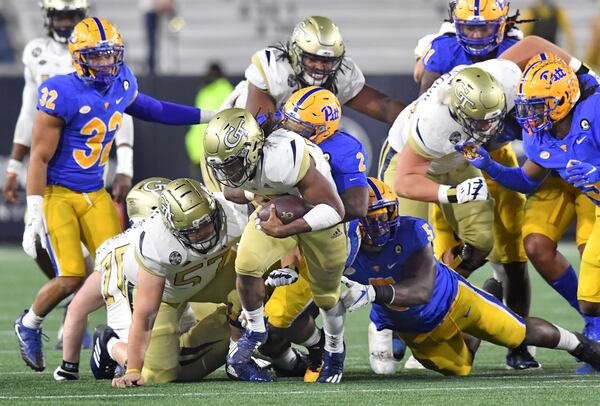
(326, 301)
(538, 246)
(589, 308)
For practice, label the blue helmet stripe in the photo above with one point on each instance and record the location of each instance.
(100, 29)
(303, 98)
(476, 7)
(524, 75)
(543, 56)
(373, 186)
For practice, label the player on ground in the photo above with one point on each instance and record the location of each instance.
(282, 162)
(78, 115)
(431, 306)
(560, 127)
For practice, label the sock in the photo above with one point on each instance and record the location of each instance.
(256, 319)
(333, 327)
(32, 320)
(286, 360)
(313, 340)
(568, 341)
(70, 366)
(566, 286)
(110, 344)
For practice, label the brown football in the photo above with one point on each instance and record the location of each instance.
(288, 208)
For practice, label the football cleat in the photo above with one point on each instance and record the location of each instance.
(298, 368)
(30, 342)
(101, 364)
(245, 346)
(381, 351)
(587, 351)
(61, 374)
(247, 371)
(333, 367)
(592, 332)
(413, 363)
(519, 358)
(315, 360)
(494, 288)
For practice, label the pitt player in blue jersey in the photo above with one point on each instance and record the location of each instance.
(431, 306)
(561, 131)
(314, 113)
(78, 116)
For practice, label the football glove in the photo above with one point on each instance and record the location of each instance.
(581, 174)
(475, 154)
(357, 295)
(35, 225)
(281, 277)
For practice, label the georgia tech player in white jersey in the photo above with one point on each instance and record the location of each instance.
(167, 253)
(467, 103)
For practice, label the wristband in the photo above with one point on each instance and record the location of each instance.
(14, 166)
(322, 216)
(125, 160)
(133, 371)
(248, 195)
(206, 116)
(576, 64)
(384, 294)
(447, 194)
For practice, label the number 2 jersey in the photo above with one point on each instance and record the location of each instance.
(387, 268)
(151, 247)
(91, 121)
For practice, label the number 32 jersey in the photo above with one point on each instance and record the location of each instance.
(91, 121)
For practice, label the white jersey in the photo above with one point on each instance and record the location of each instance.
(152, 247)
(284, 162)
(272, 73)
(426, 123)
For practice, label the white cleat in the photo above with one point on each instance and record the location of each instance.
(381, 353)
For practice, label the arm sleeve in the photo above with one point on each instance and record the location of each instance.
(24, 124)
(150, 109)
(512, 178)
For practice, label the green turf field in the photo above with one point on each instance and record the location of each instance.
(490, 382)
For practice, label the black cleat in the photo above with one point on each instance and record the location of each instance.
(297, 369)
(519, 358)
(587, 351)
(494, 288)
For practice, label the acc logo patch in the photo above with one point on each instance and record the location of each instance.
(398, 249)
(126, 85)
(37, 51)
(85, 109)
(454, 138)
(376, 268)
(585, 125)
(175, 258)
(544, 154)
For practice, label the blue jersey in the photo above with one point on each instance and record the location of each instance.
(582, 143)
(387, 267)
(446, 53)
(347, 159)
(91, 121)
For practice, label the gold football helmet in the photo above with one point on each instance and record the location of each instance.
(97, 51)
(477, 103)
(61, 16)
(191, 213)
(142, 199)
(547, 93)
(316, 50)
(480, 24)
(313, 112)
(233, 143)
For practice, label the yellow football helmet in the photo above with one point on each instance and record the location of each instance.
(233, 143)
(313, 112)
(95, 39)
(477, 103)
(480, 24)
(380, 224)
(547, 93)
(142, 199)
(61, 16)
(316, 50)
(192, 214)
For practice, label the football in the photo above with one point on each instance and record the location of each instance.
(288, 208)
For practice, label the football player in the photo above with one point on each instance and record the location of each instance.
(314, 55)
(560, 127)
(245, 159)
(314, 113)
(440, 316)
(78, 115)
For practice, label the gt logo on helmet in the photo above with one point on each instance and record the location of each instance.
(461, 89)
(235, 134)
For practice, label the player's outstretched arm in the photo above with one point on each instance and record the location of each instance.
(528, 47)
(377, 105)
(148, 108)
(147, 301)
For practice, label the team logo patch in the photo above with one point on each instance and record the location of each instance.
(175, 258)
(126, 85)
(398, 249)
(327, 156)
(585, 125)
(106, 104)
(563, 147)
(376, 268)
(350, 271)
(85, 109)
(454, 138)
(37, 51)
(544, 154)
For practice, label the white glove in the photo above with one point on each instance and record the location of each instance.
(281, 277)
(472, 189)
(357, 295)
(35, 225)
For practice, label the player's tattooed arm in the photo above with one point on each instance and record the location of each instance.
(377, 105)
(259, 101)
